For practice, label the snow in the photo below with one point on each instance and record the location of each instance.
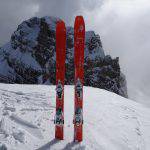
(5, 70)
(111, 122)
(97, 52)
(17, 55)
(52, 21)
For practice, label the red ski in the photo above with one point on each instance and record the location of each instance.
(60, 77)
(79, 40)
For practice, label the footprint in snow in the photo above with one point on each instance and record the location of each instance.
(30, 128)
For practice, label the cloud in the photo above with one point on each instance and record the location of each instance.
(67, 9)
(123, 25)
(64, 9)
(12, 13)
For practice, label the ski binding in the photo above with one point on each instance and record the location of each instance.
(78, 119)
(59, 90)
(59, 117)
(79, 88)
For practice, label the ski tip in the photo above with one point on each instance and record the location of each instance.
(60, 24)
(79, 19)
(79, 25)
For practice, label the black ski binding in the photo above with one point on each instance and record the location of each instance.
(78, 119)
(79, 88)
(59, 90)
(59, 117)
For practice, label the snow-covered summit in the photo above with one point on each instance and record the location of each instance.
(111, 122)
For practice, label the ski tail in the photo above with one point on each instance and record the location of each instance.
(79, 42)
(60, 78)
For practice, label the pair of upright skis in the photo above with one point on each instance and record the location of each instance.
(79, 39)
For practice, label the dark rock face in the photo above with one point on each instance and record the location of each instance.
(30, 58)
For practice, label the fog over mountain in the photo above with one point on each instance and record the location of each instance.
(122, 24)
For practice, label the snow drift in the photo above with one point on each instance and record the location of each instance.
(111, 122)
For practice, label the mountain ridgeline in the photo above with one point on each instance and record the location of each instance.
(30, 58)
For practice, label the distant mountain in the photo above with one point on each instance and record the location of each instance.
(29, 58)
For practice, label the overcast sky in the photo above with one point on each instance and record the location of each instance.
(124, 27)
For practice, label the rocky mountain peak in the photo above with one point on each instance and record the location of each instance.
(30, 57)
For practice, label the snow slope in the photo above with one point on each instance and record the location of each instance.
(111, 122)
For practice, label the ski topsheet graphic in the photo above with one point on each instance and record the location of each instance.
(60, 77)
(79, 40)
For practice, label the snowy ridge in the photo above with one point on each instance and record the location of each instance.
(111, 122)
(98, 51)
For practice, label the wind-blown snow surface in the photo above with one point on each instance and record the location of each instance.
(111, 122)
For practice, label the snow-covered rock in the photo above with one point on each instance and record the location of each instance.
(30, 58)
(111, 122)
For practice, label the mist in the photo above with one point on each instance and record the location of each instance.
(123, 25)
(12, 13)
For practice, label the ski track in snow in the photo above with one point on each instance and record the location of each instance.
(32, 129)
(111, 122)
